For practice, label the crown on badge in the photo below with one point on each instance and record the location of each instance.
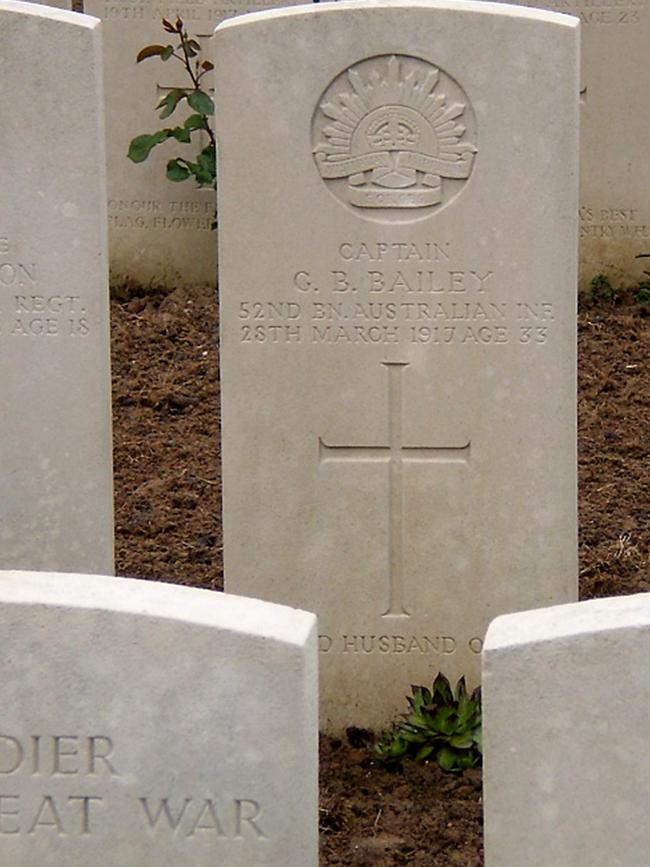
(393, 137)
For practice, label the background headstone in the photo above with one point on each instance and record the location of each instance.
(61, 4)
(159, 231)
(147, 723)
(398, 202)
(614, 133)
(56, 503)
(566, 730)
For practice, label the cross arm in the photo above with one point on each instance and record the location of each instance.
(369, 454)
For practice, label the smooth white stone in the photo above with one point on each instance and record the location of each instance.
(566, 723)
(56, 497)
(398, 382)
(614, 135)
(148, 723)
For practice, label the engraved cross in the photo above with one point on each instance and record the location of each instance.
(395, 454)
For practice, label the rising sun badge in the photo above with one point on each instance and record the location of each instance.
(394, 137)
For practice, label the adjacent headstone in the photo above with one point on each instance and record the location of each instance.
(615, 128)
(56, 504)
(398, 201)
(147, 723)
(159, 231)
(566, 729)
(60, 4)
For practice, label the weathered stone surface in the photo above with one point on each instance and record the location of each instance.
(398, 202)
(60, 4)
(146, 723)
(565, 725)
(56, 501)
(159, 231)
(614, 131)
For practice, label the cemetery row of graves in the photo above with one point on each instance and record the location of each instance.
(168, 507)
(388, 420)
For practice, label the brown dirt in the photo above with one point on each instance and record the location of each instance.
(168, 491)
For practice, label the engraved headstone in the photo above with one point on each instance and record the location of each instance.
(159, 230)
(398, 345)
(566, 730)
(56, 503)
(614, 133)
(158, 725)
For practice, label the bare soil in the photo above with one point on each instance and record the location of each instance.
(168, 493)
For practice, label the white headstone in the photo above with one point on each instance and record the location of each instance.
(56, 501)
(398, 200)
(159, 230)
(614, 130)
(146, 723)
(566, 730)
(60, 4)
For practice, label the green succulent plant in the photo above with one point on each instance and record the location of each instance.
(642, 295)
(600, 290)
(441, 723)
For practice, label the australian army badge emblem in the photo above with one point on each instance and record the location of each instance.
(394, 134)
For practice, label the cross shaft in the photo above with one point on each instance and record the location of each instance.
(395, 454)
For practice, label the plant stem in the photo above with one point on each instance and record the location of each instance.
(195, 81)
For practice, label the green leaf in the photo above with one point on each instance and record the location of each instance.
(442, 688)
(193, 168)
(192, 47)
(420, 700)
(466, 710)
(195, 121)
(413, 738)
(169, 102)
(381, 744)
(181, 134)
(446, 758)
(141, 146)
(445, 720)
(201, 102)
(207, 166)
(424, 753)
(467, 760)
(462, 741)
(167, 52)
(176, 171)
(397, 749)
(417, 721)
